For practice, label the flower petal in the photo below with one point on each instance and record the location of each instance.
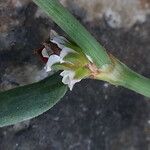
(51, 61)
(53, 34)
(60, 41)
(72, 83)
(44, 53)
(68, 78)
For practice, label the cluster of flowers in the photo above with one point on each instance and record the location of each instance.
(61, 54)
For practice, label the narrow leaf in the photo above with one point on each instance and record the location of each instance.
(29, 101)
(75, 30)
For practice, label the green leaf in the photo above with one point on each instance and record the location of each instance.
(78, 33)
(29, 101)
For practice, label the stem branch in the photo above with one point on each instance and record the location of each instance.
(120, 74)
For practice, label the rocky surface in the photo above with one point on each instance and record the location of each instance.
(95, 115)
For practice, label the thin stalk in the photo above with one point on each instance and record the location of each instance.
(122, 75)
(75, 30)
(136, 82)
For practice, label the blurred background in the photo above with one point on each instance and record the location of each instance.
(95, 115)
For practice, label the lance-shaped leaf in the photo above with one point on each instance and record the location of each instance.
(29, 101)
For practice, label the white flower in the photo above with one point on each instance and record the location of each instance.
(53, 59)
(68, 78)
(60, 41)
(69, 74)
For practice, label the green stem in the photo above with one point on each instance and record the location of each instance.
(136, 82)
(121, 75)
(75, 30)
